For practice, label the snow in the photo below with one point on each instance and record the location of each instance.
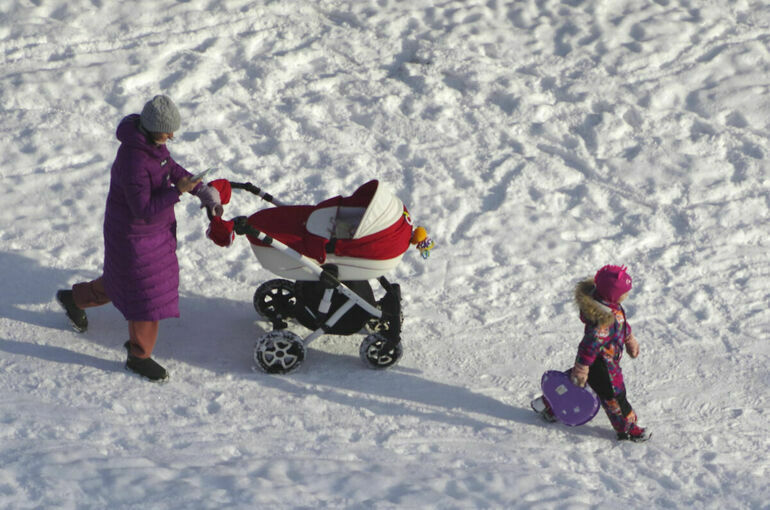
(536, 140)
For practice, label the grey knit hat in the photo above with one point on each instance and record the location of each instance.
(160, 115)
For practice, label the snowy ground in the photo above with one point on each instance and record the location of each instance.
(537, 141)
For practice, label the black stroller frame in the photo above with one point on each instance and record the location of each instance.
(326, 305)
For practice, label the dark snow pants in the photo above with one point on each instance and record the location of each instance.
(618, 409)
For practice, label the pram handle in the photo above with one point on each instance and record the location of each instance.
(267, 197)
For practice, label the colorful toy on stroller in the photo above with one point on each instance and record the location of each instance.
(325, 255)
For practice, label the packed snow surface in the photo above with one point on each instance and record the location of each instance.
(536, 141)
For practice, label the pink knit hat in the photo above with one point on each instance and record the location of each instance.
(612, 282)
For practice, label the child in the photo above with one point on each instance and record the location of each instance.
(598, 357)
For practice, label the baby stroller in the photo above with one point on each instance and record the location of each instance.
(325, 255)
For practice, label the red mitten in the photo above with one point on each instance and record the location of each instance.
(224, 188)
(221, 231)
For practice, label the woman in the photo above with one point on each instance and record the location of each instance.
(141, 271)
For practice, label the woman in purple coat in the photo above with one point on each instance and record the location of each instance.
(141, 271)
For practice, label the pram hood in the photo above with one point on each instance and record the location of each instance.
(372, 208)
(384, 208)
(372, 223)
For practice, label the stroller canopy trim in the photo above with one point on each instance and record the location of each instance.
(384, 209)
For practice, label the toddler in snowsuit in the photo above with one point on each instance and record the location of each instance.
(598, 358)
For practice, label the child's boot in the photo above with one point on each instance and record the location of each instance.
(541, 407)
(636, 434)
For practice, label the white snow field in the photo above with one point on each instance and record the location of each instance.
(537, 140)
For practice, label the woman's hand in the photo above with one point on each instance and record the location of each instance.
(186, 184)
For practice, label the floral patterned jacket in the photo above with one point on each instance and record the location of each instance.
(605, 334)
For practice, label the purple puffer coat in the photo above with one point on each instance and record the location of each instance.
(141, 272)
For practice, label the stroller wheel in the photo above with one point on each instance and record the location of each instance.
(376, 354)
(275, 299)
(375, 325)
(279, 352)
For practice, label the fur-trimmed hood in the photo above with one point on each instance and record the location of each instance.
(591, 310)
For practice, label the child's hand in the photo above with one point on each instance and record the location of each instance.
(579, 375)
(632, 346)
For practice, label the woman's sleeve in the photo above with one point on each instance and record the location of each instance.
(177, 171)
(137, 190)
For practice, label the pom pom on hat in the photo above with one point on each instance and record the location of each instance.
(612, 282)
(160, 115)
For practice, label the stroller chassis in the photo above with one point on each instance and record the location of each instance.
(281, 351)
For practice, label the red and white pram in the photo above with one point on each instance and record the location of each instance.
(325, 255)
